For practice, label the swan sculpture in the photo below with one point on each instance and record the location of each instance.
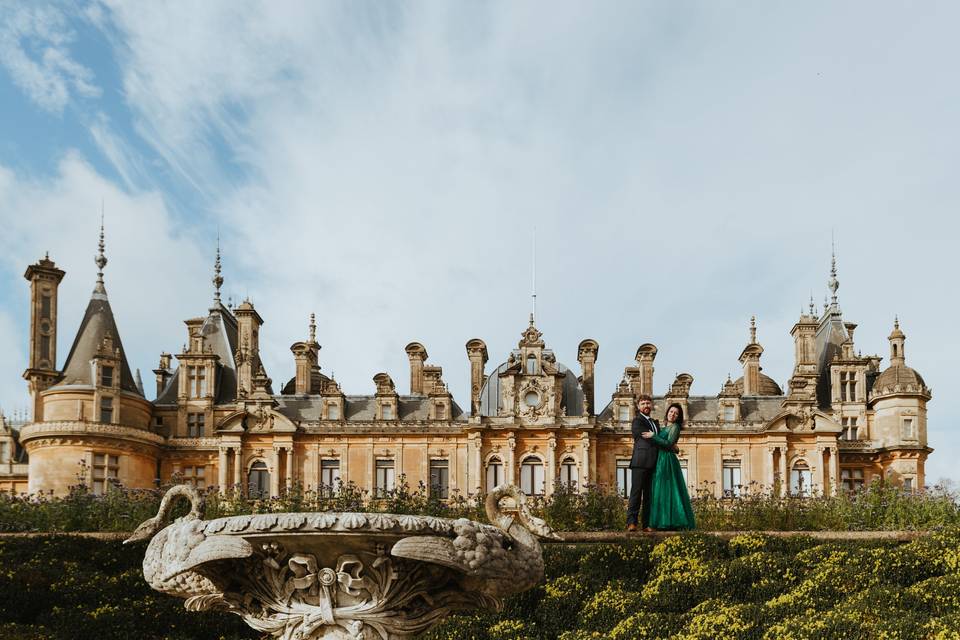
(495, 561)
(176, 550)
(343, 576)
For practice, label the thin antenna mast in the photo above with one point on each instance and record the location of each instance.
(533, 284)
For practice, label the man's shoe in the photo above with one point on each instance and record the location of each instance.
(631, 527)
(649, 529)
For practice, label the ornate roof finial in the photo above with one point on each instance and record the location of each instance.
(812, 310)
(531, 318)
(313, 328)
(833, 283)
(101, 259)
(896, 322)
(753, 329)
(217, 278)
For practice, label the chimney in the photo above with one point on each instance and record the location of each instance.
(587, 356)
(248, 351)
(163, 372)
(477, 353)
(417, 354)
(646, 354)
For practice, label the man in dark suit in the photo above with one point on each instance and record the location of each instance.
(642, 464)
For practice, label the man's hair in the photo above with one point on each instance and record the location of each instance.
(644, 396)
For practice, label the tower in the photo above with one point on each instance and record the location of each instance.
(41, 372)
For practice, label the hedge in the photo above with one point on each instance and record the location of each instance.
(687, 587)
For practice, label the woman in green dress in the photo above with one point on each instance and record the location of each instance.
(670, 505)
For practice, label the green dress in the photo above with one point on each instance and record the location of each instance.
(670, 507)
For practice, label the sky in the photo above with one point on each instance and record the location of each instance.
(679, 167)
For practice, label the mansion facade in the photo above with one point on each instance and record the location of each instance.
(218, 420)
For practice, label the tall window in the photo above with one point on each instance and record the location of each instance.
(731, 478)
(385, 480)
(531, 476)
(851, 430)
(729, 413)
(851, 479)
(329, 475)
(4, 451)
(197, 379)
(106, 376)
(44, 347)
(569, 475)
(494, 474)
(45, 306)
(683, 470)
(195, 424)
(848, 386)
(105, 468)
(333, 411)
(908, 484)
(387, 412)
(258, 480)
(531, 365)
(195, 476)
(624, 478)
(440, 479)
(909, 433)
(106, 409)
(801, 480)
(623, 413)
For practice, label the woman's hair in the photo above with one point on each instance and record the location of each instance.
(679, 418)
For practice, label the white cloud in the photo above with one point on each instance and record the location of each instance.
(684, 170)
(156, 276)
(34, 48)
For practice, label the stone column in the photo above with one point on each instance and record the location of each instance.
(585, 461)
(238, 468)
(551, 470)
(289, 469)
(477, 479)
(222, 470)
(771, 466)
(275, 472)
(784, 476)
(511, 462)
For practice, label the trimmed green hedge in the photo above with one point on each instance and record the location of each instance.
(687, 587)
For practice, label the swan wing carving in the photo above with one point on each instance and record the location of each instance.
(210, 549)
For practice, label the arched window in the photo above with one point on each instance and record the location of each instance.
(531, 476)
(569, 475)
(801, 480)
(531, 365)
(258, 480)
(494, 474)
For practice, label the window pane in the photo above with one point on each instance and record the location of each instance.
(624, 478)
(624, 413)
(333, 412)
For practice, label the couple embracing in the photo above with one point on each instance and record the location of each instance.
(658, 492)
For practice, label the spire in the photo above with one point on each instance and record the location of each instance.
(313, 328)
(533, 279)
(833, 284)
(813, 310)
(217, 278)
(753, 329)
(139, 382)
(101, 261)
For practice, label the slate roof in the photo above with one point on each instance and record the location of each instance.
(706, 408)
(220, 331)
(898, 375)
(97, 322)
(490, 393)
(358, 408)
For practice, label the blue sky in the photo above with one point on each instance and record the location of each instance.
(684, 165)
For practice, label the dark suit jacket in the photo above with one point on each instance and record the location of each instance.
(645, 451)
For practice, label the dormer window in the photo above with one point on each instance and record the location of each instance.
(387, 412)
(106, 376)
(729, 413)
(333, 411)
(197, 381)
(623, 414)
(848, 386)
(531, 365)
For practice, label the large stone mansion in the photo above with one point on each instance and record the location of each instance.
(217, 419)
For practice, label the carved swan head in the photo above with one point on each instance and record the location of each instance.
(149, 528)
(534, 525)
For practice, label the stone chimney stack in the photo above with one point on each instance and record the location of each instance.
(477, 353)
(646, 354)
(248, 351)
(163, 372)
(587, 356)
(42, 373)
(417, 354)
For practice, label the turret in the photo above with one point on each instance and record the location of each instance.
(41, 372)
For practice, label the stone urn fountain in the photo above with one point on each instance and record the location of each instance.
(359, 576)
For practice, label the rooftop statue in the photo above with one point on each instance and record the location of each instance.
(304, 576)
